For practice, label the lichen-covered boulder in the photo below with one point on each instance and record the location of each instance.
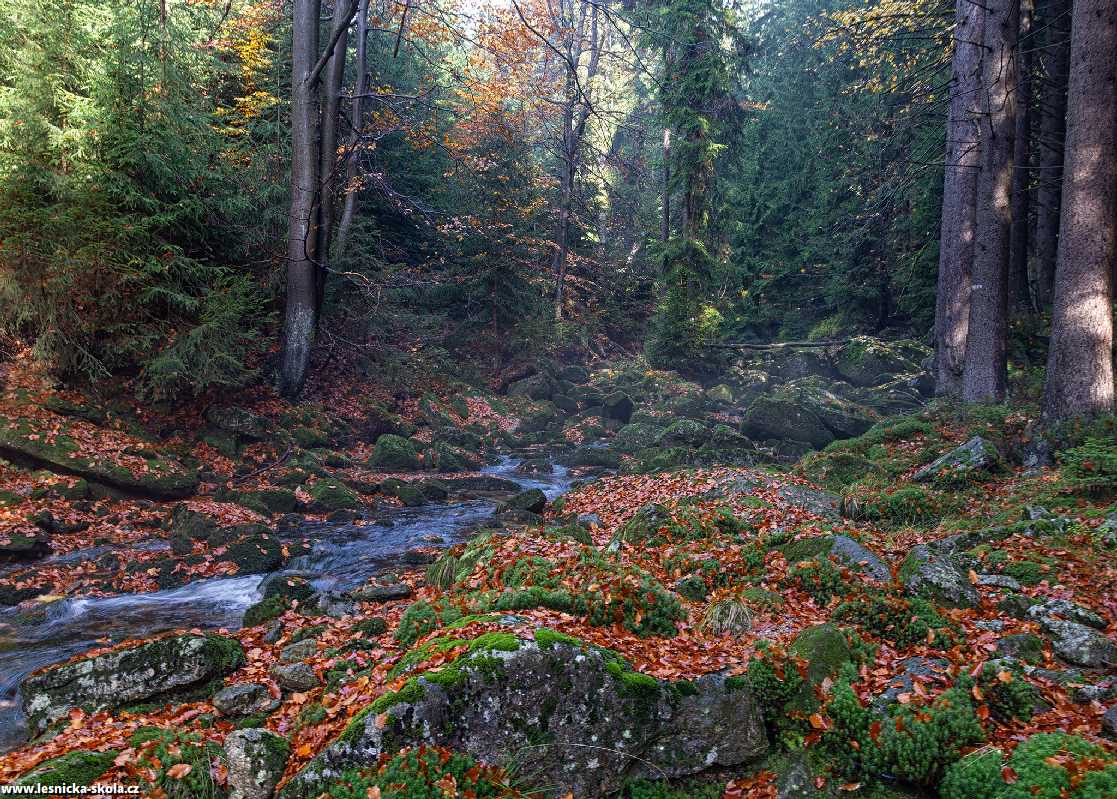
(163, 667)
(973, 459)
(395, 453)
(854, 555)
(940, 577)
(256, 760)
(571, 715)
(828, 401)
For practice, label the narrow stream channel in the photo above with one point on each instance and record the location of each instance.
(344, 556)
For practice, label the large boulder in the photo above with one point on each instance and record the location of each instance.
(830, 403)
(685, 433)
(601, 723)
(22, 545)
(532, 500)
(785, 417)
(168, 666)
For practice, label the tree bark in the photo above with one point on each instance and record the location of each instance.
(1019, 292)
(959, 205)
(1055, 59)
(300, 316)
(984, 376)
(1080, 361)
(327, 167)
(352, 164)
(665, 233)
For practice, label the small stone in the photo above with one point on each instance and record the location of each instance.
(419, 556)
(1025, 646)
(1065, 609)
(256, 760)
(295, 676)
(941, 578)
(298, 651)
(904, 682)
(974, 457)
(244, 699)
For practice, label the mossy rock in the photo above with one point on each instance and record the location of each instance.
(310, 438)
(275, 500)
(264, 611)
(826, 650)
(685, 433)
(866, 361)
(330, 495)
(598, 457)
(395, 453)
(257, 553)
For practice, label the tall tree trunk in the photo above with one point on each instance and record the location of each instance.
(300, 316)
(984, 376)
(959, 204)
(327, 167)
(1019, 294)
(1053, 114)
(352, 165)
(1080, 361)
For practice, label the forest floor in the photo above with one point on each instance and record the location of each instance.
(683, 572)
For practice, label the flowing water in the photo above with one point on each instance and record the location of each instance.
(343, 556)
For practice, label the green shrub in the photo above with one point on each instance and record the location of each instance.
(818, 577)
(423, 773)
(1045, 766)
(1009, 696)
(908, 505)
(915, 745)
(904, 622)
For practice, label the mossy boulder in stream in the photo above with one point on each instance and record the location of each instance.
(541, 702)
(173, 666)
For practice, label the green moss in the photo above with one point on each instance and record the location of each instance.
(423, 773)
(80, 767)
(903, 622)
(373, 627)
(331, 495)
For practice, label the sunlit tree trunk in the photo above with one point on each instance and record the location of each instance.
(1055, 58)
(959, 205)
(327, 166)
(984, 375)
(1080, 361)
(352, 165)
(300, 317)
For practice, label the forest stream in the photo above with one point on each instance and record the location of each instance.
(343, 556)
